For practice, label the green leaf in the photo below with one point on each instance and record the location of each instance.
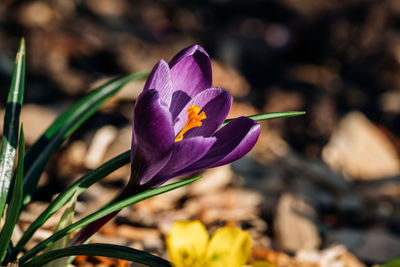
(16, 201)
(66, 220)
(104, 212)
(271, 115)
(392, 263)
(77, 188)
(105, 250)
(40, 153)
(11, 125)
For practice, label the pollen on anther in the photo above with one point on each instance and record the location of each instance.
(194, 120)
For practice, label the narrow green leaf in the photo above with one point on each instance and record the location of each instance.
(65, 221)
(104, 212)
(105, 250)
(11, 125)
(271, 115)
(41, 151)
(16, 201)
(392, 263)
(77, 188)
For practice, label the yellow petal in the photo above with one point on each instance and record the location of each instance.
(229, 246)
(186, 243)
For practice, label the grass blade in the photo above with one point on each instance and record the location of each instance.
(104, 212)
(15, 203)
(105, 250)
(271, 115)
(65, 221)
(392, 263)
(11, 125)
(40, 153)
(77, 188)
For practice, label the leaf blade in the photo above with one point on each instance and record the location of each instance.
(271, 115)
(15, 203)
(105, 250)
(103, 212)
(11, 125)
(66, 220)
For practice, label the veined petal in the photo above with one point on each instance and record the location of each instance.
(153, 123)
(191, 70)
(190, 74)
(228, 246)
(186, 244)
(145, 165)
(215, 102)
(183, 154)
(160, 80)
(234, 141)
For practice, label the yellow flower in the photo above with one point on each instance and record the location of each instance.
(188, 245)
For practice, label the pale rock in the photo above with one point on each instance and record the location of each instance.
(213, 180)
(99, 145)
(293, 227)
(76, 153)
(360, 150)
(336, 256)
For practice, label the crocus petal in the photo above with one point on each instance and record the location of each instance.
(216, 103)
(191, 70)
(234, 141)
(186, 243)
(191, 74)
(153, 123)
(228, 246)
(160, 80)
(145, 165)
(184, 153)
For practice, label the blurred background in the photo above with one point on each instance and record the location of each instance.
(318, 189)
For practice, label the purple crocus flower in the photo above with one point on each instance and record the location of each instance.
(177, 127)
(177, 120)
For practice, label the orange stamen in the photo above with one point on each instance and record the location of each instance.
(194, 120)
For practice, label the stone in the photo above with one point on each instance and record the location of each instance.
(293, 226)
(336, 256)
(213, 180)
(99, 145)
(359, 150)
